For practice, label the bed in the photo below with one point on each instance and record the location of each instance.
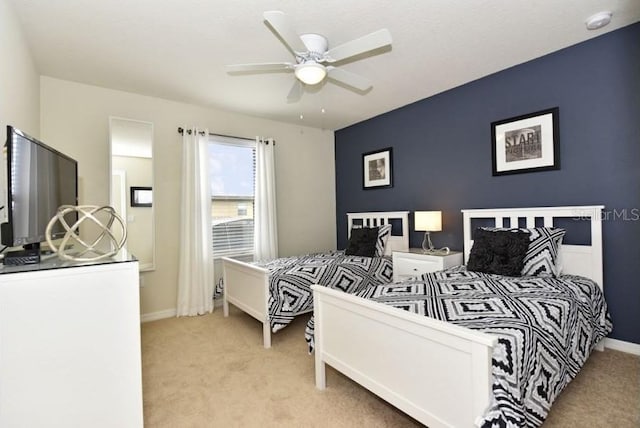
(441, 373)
(251, 286)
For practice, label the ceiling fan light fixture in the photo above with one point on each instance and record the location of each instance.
(311, 73)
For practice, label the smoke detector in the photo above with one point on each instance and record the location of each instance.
(599, 20)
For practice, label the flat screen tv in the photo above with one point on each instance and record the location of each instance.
(39, 180)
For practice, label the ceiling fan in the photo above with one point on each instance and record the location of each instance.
(312, 52)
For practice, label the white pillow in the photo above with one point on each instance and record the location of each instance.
(383, 236)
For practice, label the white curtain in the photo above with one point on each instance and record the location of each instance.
(195, 272)
(265, 240)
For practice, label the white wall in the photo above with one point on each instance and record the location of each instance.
(75, 120)
(19, 86)
(19, 80)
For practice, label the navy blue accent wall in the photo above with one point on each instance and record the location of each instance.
(442, 154)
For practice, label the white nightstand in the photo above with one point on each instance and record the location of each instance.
(413, 263)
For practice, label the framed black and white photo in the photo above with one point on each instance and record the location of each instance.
(141, 196)
(377, 169)
(526, 143)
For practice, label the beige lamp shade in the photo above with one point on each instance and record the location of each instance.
(428, 221)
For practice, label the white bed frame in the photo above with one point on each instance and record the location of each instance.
(247, 286)
(438, 373)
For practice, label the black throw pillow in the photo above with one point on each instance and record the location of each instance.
(498, 252)
(362, 242)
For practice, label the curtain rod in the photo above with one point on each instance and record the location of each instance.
(181, 131)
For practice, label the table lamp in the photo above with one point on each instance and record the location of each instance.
(428, 221)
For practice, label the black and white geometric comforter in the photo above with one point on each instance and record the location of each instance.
(291, 278)
(546, 329)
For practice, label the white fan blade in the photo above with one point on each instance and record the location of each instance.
(295, 93)
(266, 66)
(281, 25)
(363, 44)
(348, 78)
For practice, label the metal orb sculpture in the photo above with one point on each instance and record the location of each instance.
(102, 218)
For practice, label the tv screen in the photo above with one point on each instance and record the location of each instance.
(39, 180)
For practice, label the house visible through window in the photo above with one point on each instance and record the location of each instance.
(232, 178)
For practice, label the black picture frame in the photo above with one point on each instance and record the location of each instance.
(377, 169)
(527, 143)
(141, 196)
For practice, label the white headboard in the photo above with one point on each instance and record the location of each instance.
(584, 260)
(373, 219)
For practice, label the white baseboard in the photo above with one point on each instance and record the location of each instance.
(153, 316)
(170, 313)
(620, 345)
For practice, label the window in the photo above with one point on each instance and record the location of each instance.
(232, 178)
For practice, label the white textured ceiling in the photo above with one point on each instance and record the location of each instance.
(177, 49)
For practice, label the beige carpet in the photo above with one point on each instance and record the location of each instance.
(212, 371)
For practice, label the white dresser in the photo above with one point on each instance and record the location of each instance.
(70, 345)
(413, 263)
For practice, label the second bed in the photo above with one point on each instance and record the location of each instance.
(276, 291)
